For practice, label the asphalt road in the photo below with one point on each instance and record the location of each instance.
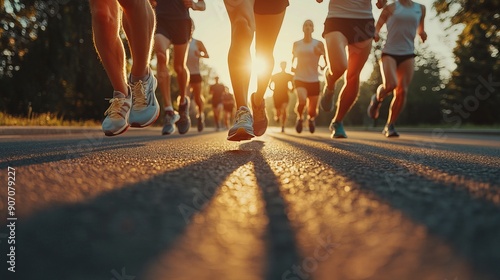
(283, 206)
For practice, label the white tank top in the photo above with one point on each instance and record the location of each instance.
(307, 61)
(357, 9)
(402, 27)
(193, 61)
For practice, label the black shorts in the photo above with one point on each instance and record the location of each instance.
(178, 31)
(195, 78)
(280, 98)
(399, 58)
(355, 30)
(269, 7)
(312, 88)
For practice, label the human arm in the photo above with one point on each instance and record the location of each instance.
(421, 25)
(381, 3)
(293, 57)
(196, 6)
(320, 50)
(203, 51)
(386, 13)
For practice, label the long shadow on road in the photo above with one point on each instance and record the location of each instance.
(471, 225)
(122, 231)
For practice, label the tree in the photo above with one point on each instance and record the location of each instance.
(472, 96)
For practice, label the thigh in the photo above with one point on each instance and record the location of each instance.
(267, 28)
(388, 66)
(301, 93)
(405, 72)
(161, 44)
(358, 54)
(336, 44)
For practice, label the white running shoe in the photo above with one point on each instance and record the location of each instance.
(145, 106)
(243, 126)
(117, 115)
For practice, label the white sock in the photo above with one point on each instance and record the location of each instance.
(169, 108)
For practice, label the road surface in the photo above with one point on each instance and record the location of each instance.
(283, 206)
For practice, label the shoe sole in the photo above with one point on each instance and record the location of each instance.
(121, 131)
(240, 134)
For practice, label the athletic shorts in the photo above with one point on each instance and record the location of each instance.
(269, 7)
(195, 78)
(312, 88)
(280, 98)
(355, 30)
(178, 31)
(399, 58)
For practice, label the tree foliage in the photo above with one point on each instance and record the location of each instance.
(477, 60)
(51, 64)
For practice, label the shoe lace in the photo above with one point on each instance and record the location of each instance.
(138, 95)
(242, 116)
(115, 107)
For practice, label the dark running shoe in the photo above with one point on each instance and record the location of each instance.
(390, 131)
(184, 122)
(374, 107)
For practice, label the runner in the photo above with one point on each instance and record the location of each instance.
(134, 102)
(307, 53)
(283, 83)
(174, 28)
(217, 91)
(403, 18)
(196, 51)
(264, 18)
(228, 103)
(350, 25)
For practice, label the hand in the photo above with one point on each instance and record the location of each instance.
(381, 3)
(153, 3)
(376, 37)
(293, 69)
(423, 36)
(188, 3)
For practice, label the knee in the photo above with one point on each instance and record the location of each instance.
(161, 56)
(243, 29)
(401, 91)
(390, 86)
(179, 68)
(337, 69)
(102, 14)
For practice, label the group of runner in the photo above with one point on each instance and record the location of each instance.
(349, 30)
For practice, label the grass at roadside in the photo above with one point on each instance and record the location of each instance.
(45, 119)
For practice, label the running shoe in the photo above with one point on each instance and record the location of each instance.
(243, 126)
(171, 117)
(145, 106)
(298, 125)
(200, 122)
(184, 122)
(312, 126)
(117, 115)
(259, 117)
(326, 100)
(390, 131)
(374, 107)
(337, 129)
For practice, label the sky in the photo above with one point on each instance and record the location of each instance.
(213, 29)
